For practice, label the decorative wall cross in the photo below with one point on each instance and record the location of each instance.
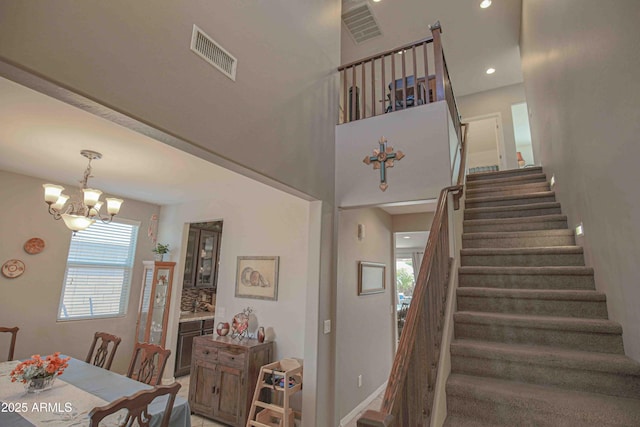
(383, 158)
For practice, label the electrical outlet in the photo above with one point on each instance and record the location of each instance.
(359, 381)
(327, 326)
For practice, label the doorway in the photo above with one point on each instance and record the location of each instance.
(522, 135)
(409, 250)
(485, 147)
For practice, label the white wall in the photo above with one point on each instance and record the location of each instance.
(421, 133)
(364, 323)
(580, 62)
(496, 101)
(257, 221)
(135, 57)
(483, 158)
(412, 222)
(31, 301)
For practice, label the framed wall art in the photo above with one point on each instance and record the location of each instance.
(371, 277)
(257, 277)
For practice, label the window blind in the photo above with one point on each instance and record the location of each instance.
(98, 274)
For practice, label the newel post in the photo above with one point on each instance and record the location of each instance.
(436, 31)
(375, 419)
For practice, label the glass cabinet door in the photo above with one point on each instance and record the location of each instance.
(159, 306)
(190, 260)
(155, 302)
(143, 315)
(207, 258)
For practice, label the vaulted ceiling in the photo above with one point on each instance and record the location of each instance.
(473, 39)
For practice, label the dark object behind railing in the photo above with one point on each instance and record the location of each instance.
(409, 75)
(408, 398)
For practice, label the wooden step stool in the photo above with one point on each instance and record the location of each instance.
(283, 378)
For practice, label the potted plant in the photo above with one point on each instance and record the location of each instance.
(160, 250)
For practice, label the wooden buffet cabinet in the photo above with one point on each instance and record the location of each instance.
(224, 372)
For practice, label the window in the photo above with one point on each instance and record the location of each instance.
(98, 275)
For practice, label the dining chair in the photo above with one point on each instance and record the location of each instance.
(103, 357)
(14, 334)
(136, 407)
(148, 362)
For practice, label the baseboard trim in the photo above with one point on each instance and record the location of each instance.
(362, 406)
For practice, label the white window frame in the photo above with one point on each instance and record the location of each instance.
(116, 264)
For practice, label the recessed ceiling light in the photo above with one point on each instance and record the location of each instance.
(485, 3)
(490, 70)
(406, 237)
(377, 1)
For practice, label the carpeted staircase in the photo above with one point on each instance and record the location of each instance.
(533, 344)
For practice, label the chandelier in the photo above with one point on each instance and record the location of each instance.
(79, 213)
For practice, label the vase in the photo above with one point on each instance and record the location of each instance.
(260, 334)
(36, 385)
(222, 329)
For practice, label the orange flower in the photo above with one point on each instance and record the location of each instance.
(36, 367)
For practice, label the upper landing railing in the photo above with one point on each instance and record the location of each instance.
(410, 75)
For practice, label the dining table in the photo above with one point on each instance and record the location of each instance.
(74, 394)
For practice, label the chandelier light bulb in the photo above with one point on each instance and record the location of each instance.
(52, 192)
(84, 209)
(91, 196)
(59, 204)
(113, 205)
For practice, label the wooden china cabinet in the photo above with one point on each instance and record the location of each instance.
(155, 301)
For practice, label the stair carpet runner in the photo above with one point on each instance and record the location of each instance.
(533, 344)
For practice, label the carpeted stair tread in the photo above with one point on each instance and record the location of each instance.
(512, 234)
(551, 356)
(600, 326)
(508, 173)
(610, 374)
(457, 420)
(521, 271)
(510, 211)
(527, 187)
(502, 402)
(501, 182)
(540, 256)
(517, 220)
(543, 250)
(538, 294)
(512, 199)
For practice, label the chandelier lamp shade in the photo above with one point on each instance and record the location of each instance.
(78, 214)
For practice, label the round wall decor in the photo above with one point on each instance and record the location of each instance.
(13, 268)
(34, 245)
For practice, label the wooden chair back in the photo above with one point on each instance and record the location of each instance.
(14, 334)
(136, 407)
(148, 362)
(103, 356)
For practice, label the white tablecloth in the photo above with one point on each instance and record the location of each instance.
(75, 393)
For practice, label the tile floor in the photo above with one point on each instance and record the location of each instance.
(196, 420)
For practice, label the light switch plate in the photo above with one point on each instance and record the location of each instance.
(327, 326)
(221, 312)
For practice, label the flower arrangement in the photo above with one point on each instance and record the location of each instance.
(37, 367)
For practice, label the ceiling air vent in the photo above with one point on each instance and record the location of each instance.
(206, 48)
(361, 23)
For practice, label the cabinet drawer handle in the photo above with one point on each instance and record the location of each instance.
(206, 351)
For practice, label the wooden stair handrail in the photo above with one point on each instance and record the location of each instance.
(386, 416)
(387, 52)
